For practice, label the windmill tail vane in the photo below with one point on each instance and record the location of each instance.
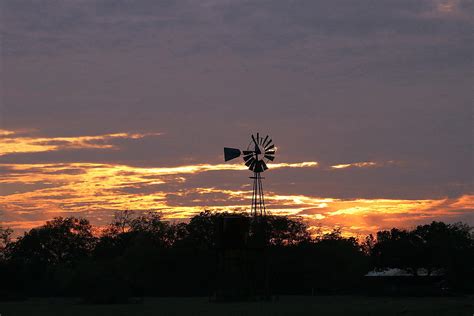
(259, 152)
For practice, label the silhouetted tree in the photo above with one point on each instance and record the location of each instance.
(442, 243)
(49, 253)
(397, 249)
(448, 248)
(61, 240)
(330, 263)
(340, 262)
(136, 247)
(153, 225)
(281, 230)
(121, 223)
(5, 240)
(141, 254)
(285, 231)
(5, 275)
(201, 229)
(368, 244)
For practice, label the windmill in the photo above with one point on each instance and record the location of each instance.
(259, 152)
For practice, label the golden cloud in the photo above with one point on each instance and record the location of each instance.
(38, 192)
(9, 143)
(364, 164)
(92, 189)
(83, 187)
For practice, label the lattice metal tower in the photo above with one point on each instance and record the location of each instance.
(259, 152)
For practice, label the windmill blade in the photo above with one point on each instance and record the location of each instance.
(231, 153)
(269, 157)
(246, 158)
(269, 147)
(257, 149)
(249, 162)
(255, 142)
(252, 165)
(267, 143)
(263, 146)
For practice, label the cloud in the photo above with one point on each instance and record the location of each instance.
(188, 28)
(101, 189)
(11, 144)
(96, 190)
(364, 164)
(82, 187)
(361, 217)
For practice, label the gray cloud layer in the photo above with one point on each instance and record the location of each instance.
(331, 81)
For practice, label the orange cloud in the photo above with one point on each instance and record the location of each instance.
(364, 164)
(10, 144)
(5, 132)
(94, 190)
(447, 6)
(81, 187)
(38, 192)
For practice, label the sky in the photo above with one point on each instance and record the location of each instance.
(115, 105)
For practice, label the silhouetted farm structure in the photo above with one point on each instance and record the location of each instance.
(219, 255)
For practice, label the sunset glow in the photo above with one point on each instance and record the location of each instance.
(108, 106)
(97, 190)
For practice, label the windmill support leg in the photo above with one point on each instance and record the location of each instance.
(258, 200)
(253, 210)
(262, 198)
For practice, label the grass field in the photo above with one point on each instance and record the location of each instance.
(286, 305)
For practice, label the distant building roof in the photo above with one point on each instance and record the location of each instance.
(401, 272)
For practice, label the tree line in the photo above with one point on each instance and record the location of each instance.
(144, 255)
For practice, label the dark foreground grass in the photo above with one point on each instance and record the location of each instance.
(286, 305)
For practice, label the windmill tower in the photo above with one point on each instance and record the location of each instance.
(250, 259)
(259, 152)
